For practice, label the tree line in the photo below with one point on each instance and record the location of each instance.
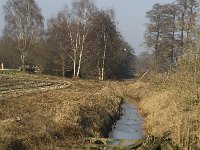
(172, 33)
(80, 41)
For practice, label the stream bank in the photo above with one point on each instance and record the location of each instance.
(55, 118)
(159, 110)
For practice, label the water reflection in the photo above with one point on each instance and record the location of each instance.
(129, 127)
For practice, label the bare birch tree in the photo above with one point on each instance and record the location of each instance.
(103, 25)
(24, 24)
(86, 40)
(60, 34)
(82, 11)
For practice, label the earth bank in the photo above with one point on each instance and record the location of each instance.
(169, 104)
(43, 112)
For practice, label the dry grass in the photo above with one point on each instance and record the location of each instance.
(170, 104)
(51, 114)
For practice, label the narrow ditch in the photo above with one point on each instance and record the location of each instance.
(127, 133)
(129, 127)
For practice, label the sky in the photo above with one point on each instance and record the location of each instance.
(130, 16)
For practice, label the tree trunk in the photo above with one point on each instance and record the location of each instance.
(75, 54)
(99, 70)
(63, 71)
(103, 65)
(182, 29)
(156, 55)
(104, 57)
(173, 38)
(80, 57)
(23, 62)
(63, 67)
(74, 68)
(79, 64)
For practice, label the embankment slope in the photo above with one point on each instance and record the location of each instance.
(169, 104)
(44, 112)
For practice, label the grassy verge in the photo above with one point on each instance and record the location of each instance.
(44, 112)
(170, 104)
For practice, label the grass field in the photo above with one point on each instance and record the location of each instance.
(45, 112)
(16, 84)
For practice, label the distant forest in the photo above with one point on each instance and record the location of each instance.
(80, 41)
(84, 41)
(172, 34)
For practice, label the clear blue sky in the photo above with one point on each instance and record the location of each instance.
(130, 15)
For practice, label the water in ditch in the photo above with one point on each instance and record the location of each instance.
(129, 127)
